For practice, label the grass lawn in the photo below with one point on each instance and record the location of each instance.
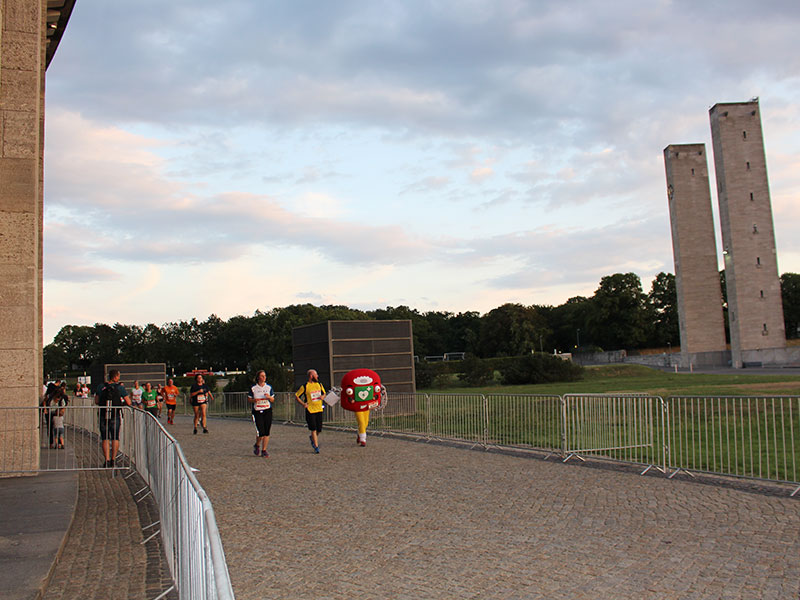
(638, 378)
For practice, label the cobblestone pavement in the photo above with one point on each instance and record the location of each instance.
(103, 555)
(402, 519)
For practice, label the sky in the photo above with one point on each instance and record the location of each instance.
(212, 157)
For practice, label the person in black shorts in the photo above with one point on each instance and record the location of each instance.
(110, 397)
(310, 396)
(201, 396)
(261, 397)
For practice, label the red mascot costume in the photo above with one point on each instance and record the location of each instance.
(361, 391)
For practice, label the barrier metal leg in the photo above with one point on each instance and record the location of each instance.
(797, 489)
(656, 467)
(578, 456)
(678, 470)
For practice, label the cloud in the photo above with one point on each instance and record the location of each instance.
(505, 149)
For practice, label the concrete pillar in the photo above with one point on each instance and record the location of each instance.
(22, 68)
(755, 307)
(702, 325)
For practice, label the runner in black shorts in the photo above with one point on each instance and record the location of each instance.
(201, 396)
(261, 397)
(310, 396)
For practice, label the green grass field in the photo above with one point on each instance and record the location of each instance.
(637, 378)
(745, 436)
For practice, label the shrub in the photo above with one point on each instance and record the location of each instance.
(477, 372)
(538, 368)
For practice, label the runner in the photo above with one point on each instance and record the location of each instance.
(136, 395)
(313, 392)
(171, 400)
(150, 399)
(261, 397)
(201, 396)
(159, 399)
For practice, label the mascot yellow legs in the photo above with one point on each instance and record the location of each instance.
(362, 419)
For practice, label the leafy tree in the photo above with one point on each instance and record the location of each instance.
(570, 323)
(790, 294)
(663, 301)
(511, 330)
(619, 320)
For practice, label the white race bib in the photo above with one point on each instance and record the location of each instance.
(201, 398)
(262, 404)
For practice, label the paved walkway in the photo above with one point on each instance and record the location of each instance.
(401, 519)
(35, 514)
(83, 530)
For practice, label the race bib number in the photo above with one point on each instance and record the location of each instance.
(150, 403)
(201, 398)
(262, 404)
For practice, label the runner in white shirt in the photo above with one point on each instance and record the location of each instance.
(136, 395)
(261, 397)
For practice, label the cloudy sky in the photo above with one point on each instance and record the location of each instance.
(221, 157)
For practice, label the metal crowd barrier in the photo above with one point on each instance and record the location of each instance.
(756, 438)
(188, 527)
(192, 543)
(752, 437)
(614, 426)
(76, 449)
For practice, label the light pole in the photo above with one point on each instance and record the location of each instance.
(578, 338)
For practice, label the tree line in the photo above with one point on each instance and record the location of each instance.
(619, 315)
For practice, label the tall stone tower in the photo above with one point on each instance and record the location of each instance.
(755, 309)
(702, 326)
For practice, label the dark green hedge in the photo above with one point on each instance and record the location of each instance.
(512, 370)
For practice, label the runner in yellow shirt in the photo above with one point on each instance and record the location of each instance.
(310, 395)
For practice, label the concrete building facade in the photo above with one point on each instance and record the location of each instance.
(702, 326)
(755, 308)
(29, 34)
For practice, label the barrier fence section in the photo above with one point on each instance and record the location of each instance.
(192, 543)
(188, 526)
(621, 427)
(74, 447)
(752, 437)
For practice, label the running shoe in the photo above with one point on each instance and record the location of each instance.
(362, 444)
(311, 439)
(205, 430)
(255, 449)
(265, 454)
(195, 431)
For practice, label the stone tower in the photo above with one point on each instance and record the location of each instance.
(702, 327)
(755, 309)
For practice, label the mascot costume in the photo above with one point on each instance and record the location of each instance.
(361, 390)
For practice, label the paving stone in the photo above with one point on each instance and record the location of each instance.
(103, 555)
(403, 519)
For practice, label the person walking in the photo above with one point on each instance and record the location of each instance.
(150, 399)
(136, 394)
(261, 397)
(310, 396)
(201, 396)
(171, 393)
(159, 399)
(111, 397)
